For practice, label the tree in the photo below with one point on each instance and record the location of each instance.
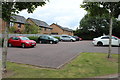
(101, 8)
(31, 29)
(9, 9)
(98, 24)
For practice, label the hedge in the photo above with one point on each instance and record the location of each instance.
(35, 38)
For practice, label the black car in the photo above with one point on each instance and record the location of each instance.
(47, 39)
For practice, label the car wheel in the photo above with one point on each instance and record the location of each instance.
(51, 42)
(9, 45)
(99, 44)
(61, 40)
(40, 42)
(23, 45)
(71, 40)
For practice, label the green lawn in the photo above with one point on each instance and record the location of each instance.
(85, 65)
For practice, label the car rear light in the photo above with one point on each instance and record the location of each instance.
(80, 38)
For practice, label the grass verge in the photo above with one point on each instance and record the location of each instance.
(84, 66)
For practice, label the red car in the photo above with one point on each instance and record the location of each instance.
(21, 41)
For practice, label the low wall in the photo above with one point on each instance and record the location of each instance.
(27, 35)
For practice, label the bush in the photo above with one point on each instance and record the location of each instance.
(12, 29)
(31, 29)
(35, 38)
(57, 38)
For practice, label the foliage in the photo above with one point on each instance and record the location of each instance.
(9, 8)
(97, 20)
(102, 8)
(31, 29)
(12, 29)
(84, 66)
(86, 35)
(35, 38)
(0, 10)
(91, 27)
(116, 29)
(57, 37)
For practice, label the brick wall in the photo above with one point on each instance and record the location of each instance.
(57, 29)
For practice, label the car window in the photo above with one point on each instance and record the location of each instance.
(15, 38)
(51, 37)
(44, 37)
(114, 38)
(24, 38)
(105, 38)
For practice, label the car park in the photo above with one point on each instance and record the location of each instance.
(67, 38)
(104, 40)
(47, 39)
(21, 41)
(77, 38)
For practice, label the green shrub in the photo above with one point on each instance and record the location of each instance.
(57, 38)
(31, 29)
(12, 29)
(35, 38)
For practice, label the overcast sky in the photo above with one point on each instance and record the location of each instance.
(66, 13)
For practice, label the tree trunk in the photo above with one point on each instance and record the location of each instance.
(110, 39)
(4, 50)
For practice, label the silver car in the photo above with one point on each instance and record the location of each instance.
(67, 38)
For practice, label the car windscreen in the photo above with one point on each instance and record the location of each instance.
(51, 37)
(24, 38)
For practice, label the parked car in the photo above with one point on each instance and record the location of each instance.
(21, 41)
(67, 38)
(77, 38)
(47, 39)
(104, 40)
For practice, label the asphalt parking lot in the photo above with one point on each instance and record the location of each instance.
(53, 55)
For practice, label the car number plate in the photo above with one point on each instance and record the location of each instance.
(33, 44)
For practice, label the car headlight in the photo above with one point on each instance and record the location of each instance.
(27, 42)
(73, 39)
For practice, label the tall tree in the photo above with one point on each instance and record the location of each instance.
(101, 8)
(9, 9)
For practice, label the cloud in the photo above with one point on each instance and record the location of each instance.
(64, 12)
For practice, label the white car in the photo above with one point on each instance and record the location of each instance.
(67, 38)
(104, 40)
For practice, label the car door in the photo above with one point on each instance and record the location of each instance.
(45, 39)
(15, 41)
(66, 38)
(42, 39)
(105, 40)
(115, 41)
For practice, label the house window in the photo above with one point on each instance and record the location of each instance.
(19, 25)
(11, 24)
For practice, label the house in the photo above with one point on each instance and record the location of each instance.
(18, 22)
(59, 30)
(45, 28)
